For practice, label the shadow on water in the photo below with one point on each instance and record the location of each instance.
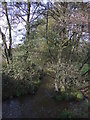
(40, 105)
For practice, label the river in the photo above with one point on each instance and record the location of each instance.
(40, 105)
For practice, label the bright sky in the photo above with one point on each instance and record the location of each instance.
(46, 0)
(17, 32)
(17, 36)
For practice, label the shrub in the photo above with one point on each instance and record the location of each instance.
(59, 97)
(80, 96)
(65, 114)
(16, 87)
(69, 96)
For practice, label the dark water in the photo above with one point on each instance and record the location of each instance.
(41, 105)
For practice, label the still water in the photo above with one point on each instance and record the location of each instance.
(40, 105)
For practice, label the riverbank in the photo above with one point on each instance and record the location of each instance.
(12, 88)
(43, 105)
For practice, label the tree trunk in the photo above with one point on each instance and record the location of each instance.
(47, 32)
(10, 36)
(27, 29)
(59, 83)
(58, 75)
(28, 23)
(5, 45)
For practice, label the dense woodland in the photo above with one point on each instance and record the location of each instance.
(54, 42)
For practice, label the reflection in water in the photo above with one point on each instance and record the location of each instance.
(38, 106)
(12, 107)
(41, 105)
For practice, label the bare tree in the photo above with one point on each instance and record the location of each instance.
(10, 35)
